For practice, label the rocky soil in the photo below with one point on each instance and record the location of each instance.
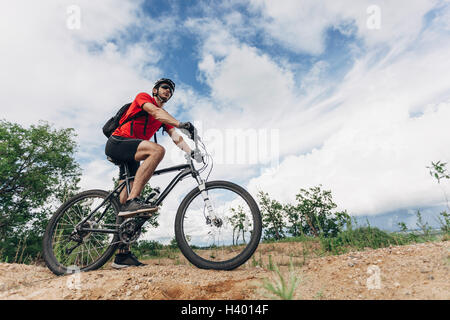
(419, 271)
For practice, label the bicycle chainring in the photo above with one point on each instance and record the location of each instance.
(129, 231)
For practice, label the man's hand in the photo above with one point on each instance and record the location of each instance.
(189, 129)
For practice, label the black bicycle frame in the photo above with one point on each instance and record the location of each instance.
(186, 169)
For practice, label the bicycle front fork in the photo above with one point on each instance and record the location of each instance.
(211, 219)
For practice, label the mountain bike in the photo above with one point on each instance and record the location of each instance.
(217, 224)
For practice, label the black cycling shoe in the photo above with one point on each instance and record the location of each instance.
(125, 260)
(134, 206)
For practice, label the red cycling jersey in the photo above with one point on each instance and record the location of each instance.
(135, 129)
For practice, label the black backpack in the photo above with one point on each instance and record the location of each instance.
(112, 124)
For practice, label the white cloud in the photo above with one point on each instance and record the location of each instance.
(301, 25)
(372, 137)
(250, 80)
(390, 123)
(98, 174)
(242, 79)
(373, 167)
(369, 140)
(52, 72)
(75, 77)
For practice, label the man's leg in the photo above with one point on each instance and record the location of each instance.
(151, 155)
(124, 194)
(124, 248)
(133, 166)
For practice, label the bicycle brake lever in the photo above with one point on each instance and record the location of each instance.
(197, 156)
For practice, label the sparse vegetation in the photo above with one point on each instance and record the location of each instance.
(313, 215)
(444, 221)
(280, 287)
(439, 171)
(358, 239)
(150, 249)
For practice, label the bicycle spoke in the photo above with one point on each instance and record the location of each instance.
(72, 244)
(226, 235)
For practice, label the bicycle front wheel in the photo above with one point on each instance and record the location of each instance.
(70, 247)
(219, 227)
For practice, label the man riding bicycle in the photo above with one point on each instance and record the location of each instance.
(130, 143)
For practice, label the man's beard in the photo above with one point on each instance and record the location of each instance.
(162, 99)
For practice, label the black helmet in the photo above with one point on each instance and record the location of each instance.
(166, 81)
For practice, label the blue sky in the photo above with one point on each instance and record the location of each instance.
(353, 95)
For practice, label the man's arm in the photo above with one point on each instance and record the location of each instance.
(160, 114)
(179, 141)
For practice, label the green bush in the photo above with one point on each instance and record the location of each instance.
(361, 238)
(148, 248)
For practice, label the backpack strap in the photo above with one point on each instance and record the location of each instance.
(146, 122)
(137, 115)
(163, 126)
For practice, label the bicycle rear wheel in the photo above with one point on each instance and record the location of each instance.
(66, 248)
(223, 236)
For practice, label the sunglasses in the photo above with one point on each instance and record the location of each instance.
(165, 86)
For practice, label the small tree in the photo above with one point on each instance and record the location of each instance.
(444, 221)
(240, 224)
(272, 217)
(439, 171)
(422, 225)
(295, 221)
(315, 208)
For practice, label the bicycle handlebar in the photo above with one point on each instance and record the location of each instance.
(196, 154)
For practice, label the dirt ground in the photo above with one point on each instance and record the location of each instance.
(419, 271)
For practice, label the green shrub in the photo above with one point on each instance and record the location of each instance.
(148, 248)
(361, 238)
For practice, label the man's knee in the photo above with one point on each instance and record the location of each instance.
(160, 150)
(157, 151)
(148, 148)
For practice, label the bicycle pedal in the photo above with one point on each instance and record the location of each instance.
(146, 214)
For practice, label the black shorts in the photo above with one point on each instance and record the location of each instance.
(123, 150)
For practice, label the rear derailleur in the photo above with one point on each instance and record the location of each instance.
(79, 235)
